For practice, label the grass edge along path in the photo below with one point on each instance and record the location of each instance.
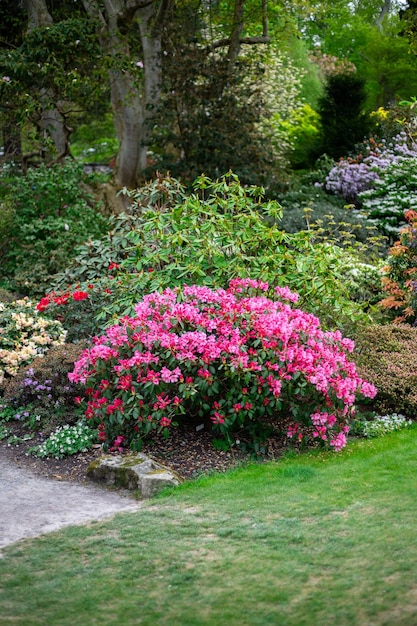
(314, 539)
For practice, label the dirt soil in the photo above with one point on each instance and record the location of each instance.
(188, 451)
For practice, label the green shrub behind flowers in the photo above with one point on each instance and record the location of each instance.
(219, 232)
(234, 357)
(24, 334)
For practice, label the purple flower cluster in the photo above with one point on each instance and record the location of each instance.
(34, 388)
(351, 176)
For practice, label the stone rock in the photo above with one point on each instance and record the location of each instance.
(133, 472)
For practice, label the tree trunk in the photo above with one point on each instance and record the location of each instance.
(51, 119)
(133, 106)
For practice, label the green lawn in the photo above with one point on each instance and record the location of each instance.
(318, 540)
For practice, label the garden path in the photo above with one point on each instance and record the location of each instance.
(31, 505)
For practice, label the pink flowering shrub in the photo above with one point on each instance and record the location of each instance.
(231, 356)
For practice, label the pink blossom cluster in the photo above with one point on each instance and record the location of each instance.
(232, 355)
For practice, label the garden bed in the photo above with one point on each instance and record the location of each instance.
(188, 452)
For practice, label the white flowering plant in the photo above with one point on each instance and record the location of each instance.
(66, 440)
(383, 424)
(24, 335)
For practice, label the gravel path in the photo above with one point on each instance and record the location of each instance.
(31, 505)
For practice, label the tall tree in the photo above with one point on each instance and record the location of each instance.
(47, 68)
(367, 33)
(135, 66)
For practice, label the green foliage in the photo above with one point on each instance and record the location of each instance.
(381, 425)
(95, 141)
(328, 219)
(390, 70)
(223, 231)
(304, 134)
(51, 215)
(387, 357)
(343, 122)
(7, 226)
(207, 121)
(53, 67)
(392, 194)
(363, 279)
(65, 441)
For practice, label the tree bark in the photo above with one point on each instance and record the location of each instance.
(133, 106)
(51, 120)
(151, 46)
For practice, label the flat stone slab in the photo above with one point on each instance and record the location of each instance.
(136, 472)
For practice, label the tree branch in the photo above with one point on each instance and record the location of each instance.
(265, 19)
(163, 10)
(222, 43)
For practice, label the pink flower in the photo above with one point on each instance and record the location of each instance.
(125, 382)
(169, 376)
(217, 418)
(339, 442)
(228, 338)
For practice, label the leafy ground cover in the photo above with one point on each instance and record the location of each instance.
(314, 539)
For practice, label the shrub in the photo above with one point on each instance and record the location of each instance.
(77, 309)
(304, 130)
(51, 217)
(330, 220)
(387, 357)
(383, 424)
(363, 280)
(43, 388)
(400, 278)
(352, 176)
(225, 231)
(394, 193)
(66, 440)
(221, 231)
(233, 357)
(24, 334)
(7, 225)
(342, 120)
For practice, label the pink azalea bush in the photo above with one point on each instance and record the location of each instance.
(233, 356)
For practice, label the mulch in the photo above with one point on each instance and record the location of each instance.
(188, 451)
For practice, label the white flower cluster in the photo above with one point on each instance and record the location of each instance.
(25, 334)
(67, 440)
(384, 424)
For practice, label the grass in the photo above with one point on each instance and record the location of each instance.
(318, 539)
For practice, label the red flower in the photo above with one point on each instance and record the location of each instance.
(114, 266)
(80, 295)
(61, 299)
(43, 304)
